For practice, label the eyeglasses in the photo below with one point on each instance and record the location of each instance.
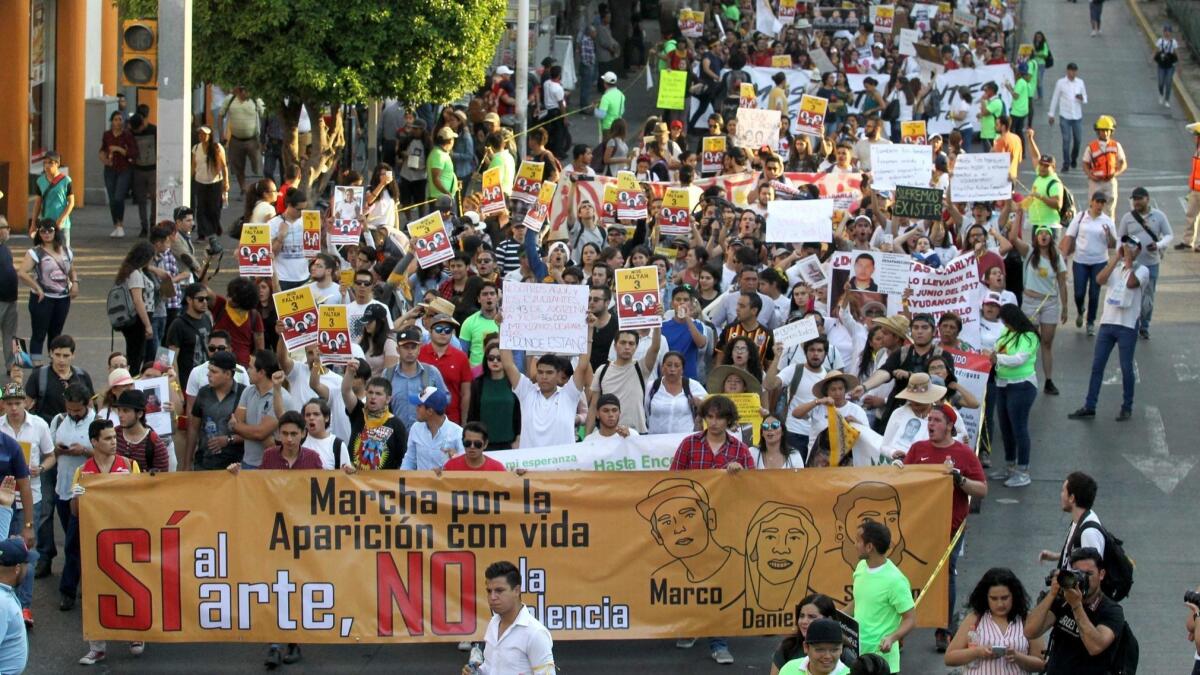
(443, 329)
(770, 426)
(362, 283)
(217, 348)
(493, 358)
(474, 444)
(485, 261)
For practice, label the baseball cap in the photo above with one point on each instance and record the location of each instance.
(676, 124)
(375, 312)
(13, 552)
(609, 77)
(446, 134)
(1100, 196)
(224, 360)
(1046, 159)
(431, 397)
(824, 631)
(410, 334)
(504, 70)
(992, 298)
(444, 203)
(493, 118)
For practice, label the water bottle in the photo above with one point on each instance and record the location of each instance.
(476, 659)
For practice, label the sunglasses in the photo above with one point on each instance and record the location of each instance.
(770, 426)
(474, 444)
(213, 349)
(201, 298)
(493, 358)
(443, 329)
(362, 283)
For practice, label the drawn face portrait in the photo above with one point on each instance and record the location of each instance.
(782, 548)
(886, 511)
(683, 526)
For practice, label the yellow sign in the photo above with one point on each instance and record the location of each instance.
(637, 298)
(26, 449)
(297, 309)
(1025, 50)
(672, 89)
(913, 132)
(493, 194)
(781, 61)
(749, 407)
(810, 119)
(391, 556)
(529, 182)
(712, 159)
(254, 251)
(609, 205)
(333, 339)
(748, 98)
(883, 16)
(346, 277)
(312, 233)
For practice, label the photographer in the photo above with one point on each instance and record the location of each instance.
(1085, 622)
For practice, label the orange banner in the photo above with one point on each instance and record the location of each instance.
(322, 557)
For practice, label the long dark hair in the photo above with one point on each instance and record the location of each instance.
(824, 604)
(1017, 323)
(258, 190)
(867, 360)
(376, 177)
(57, 242)
(210, 152)
(999, 576)
(1039, 39)
(137, 258)
(753, 363)
(373, 344)
(1035, 253)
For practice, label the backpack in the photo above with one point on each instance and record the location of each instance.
(637, 368)
(1118, 566)
(1125, 656)
(119, 307)
(43, 381)
(1066, 203)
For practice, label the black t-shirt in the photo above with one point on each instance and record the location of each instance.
(50, 402)
(211, 418)
(1068, 656)
(382, 447)
(8, 275)
(602, 341)
(190, 337)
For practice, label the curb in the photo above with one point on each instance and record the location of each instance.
(1182, 94)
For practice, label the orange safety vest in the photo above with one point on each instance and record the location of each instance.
(1103, 159)
(1194, 181)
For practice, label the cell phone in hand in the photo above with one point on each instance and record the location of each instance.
(999, 650)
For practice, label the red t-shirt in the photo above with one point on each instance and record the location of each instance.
(459, 463)
(242, 337)
(988, 260)
(925, 452)
(273, 460)
(455, 369)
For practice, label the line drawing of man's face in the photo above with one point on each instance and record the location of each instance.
(876, 501)
(683, 526)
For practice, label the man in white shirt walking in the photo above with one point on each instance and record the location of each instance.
(515, 641)
(1070, 95)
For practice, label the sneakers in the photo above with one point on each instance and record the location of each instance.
(1091, 330)
(1018, 479)
(43, 568)
(1079, 321)
(941, 640)
(292, 655)
(136, 648)
(685, 643)
(1050, 388)
(1094, 33)
(1145, 333)
(722, 656)
(1082, 414)
(1003, 474)
(117, 233)
(274, 658)
(91, 658)
(1124, 415)
(985, 459)
(66, 602)
(27, 614)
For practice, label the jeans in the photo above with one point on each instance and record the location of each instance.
(45, 514)
(1072, 136)
(715, 643)
(989, 413)
(1125, 340)
(1164, 82)
(143, 195)
(135, 344)
(68, 583)
(25, 590)
(1087, 283)
(158, 324)
(47, 318)
(587, 84)
(1018, 123)
(1095, 7)
(116, 184)
(1148, 298)
(1014, 402)
(968, 137)
(238, 151)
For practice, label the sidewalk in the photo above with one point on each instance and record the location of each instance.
(1151, 16)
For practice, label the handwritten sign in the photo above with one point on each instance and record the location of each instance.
(747, 97)
(297, 309)
(756, 128)
(913, 132)
(333, 337)
(311, 222)
(545, 318)
(528, 184)
(631, 201)
(891, 271)
(954, 287)
(810, 119)
(712, 159)
(981, 177)
(536, 216)
(895, 164)
(907, 41)
(917, 202)
(638, 302)
(672, 89)
(797, 332)
(430, 240)
(674, 218)
(254, 251)
(793, 221)
(493, 194)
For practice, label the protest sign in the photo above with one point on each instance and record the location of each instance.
(812, 272)
(835, 18)
(913, 132)
(781, 61)
(712, 159)
(971, 370)
(691, 23)
(544, 318)
(348, 207)
(608, 206)
(797, 332)
(756, 128)
(922, 18)
(297, 309)
(845, 189)
(882, 17)
(631, 200)
(873, 277)
(528, 184)
(536, 216)
(430, 240)
(493, 194)
(995, 11)
(254, 251)
(749, 409)
(908, 38)
(311, 222)
(164, 358)
(954, 287)
(638, 302)
(1025, 51)
(964, 15)
(333, 338)
(158, 393)
(672, 89)
(747, 96)
(917, 202)
(895, 164)
(891, 271)
(810, 119)
(588, 547)
(648, 452)
(821, 60)
(674, 218)
(764, 19)
(787, 11)
(794, 221)
(981, 177)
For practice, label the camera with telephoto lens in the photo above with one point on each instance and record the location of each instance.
(1069, 578)
(1192, 597)
(214, 247)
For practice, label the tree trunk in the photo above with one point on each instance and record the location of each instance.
(290, 116)
(327, 145)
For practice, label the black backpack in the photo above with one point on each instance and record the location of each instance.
(1125, 656)
(1066, 203)
(1118, 566)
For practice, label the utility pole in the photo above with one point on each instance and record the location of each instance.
(522, 74)
(173, 186)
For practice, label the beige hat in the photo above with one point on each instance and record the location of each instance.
(493, 118)
(921, 390)
(897, 325)
(439, 306)
(1194, 127)
(446, 134)
(716, 379)
(847, 379)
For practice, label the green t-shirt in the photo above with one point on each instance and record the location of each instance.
(987, 123)
(1022, 90)
(732, 12)
(881, 595)
(1039, 213)
(800, 667)
(473, 330)
(508, 170)
(440, 159)
(1014, 344)
(1035, 71)
(613, 105)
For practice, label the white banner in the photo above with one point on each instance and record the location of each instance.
(542, 318)
(797, 86)
(635, 453)
(973, 79)
(971, 370)
(792, 221)
(951, 288)
(981, 177)
(895, 164)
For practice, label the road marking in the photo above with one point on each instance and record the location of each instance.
(1159, 467)
(1185, 371)
(1112, 373)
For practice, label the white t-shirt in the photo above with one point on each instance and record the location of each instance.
(1091, 537)
(327, 296)
(290, 263)
(324, 448)
(1123, 306)
(552, 95)
(1091, 244)
(199, 378)
(961, 106)
(799, 425)
(339, 421)
(671, 414)
(547, 421)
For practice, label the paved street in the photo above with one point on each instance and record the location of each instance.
(1145, 507)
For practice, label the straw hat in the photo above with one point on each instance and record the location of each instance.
(716, 379)
(894, 324)
(847, 379)
(921, 390)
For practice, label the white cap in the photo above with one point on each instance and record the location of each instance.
(609, 77)
(504, 70)
(992, 298)
(473, 218)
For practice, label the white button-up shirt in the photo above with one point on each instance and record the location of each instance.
(67, 431)
(525, 648)
(34, 434)
(1064, 101)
